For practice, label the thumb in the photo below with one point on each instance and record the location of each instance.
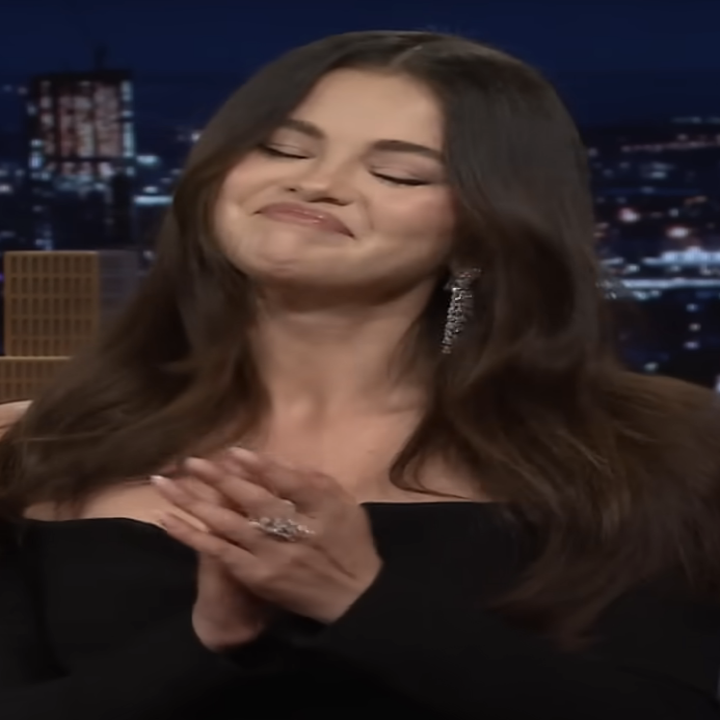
(212, 574)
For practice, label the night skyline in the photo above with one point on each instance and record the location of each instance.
(655, 184)
(634, 61)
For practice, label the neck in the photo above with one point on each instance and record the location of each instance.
(325, 361)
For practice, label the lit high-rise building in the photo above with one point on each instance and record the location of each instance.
(81, 159)
(55, 303)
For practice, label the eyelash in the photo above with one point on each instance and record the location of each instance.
(274, 152)
(403, 182)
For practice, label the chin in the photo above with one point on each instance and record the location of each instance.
(281, 270)
(299, 277)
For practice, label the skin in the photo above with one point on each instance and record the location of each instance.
(333, 309)
(11, 412)
(401, 232)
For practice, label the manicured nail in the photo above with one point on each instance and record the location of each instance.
(247, 460)
(161, 481)
(197, 463)
(243, 454)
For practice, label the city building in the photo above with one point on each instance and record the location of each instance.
(55, 302)
(157, 177)
(81, 160)
(13, 172)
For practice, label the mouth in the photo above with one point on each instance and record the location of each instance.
(302, 215)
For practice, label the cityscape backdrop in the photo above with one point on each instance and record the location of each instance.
(100, 104)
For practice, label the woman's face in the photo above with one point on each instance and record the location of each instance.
(349, 193)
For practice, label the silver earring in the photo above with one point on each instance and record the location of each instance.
(460, 307)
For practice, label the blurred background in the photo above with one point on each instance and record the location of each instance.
(100, 103)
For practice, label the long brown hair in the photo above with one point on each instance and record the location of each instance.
(617, 474)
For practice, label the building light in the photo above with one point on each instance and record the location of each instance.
(153, 200)
(628, 215)
(678, 232)
(148, 160)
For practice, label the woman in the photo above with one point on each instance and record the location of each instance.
(387, 496)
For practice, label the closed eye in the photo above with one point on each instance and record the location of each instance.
(274, 152)
(408, 182)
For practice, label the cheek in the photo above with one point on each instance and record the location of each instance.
(247, 179)
(237, 186)
(425, 217)
(238, 199)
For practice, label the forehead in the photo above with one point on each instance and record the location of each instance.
(374, 105)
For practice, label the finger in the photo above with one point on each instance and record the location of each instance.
(308, 489)
(200, 489)
(292, 484)
(193, 489)
(220, 521)
(251, 466)
(253, 499)
(186, 517)
(237, 560)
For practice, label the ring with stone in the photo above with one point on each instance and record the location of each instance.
(283, 529)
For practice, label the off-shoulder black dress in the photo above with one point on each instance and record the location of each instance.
(95, 625)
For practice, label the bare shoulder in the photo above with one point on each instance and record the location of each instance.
(11, 412)
(132, 501)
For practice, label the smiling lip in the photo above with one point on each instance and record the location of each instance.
(302, 215)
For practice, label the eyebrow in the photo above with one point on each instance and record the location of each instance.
(396, 146)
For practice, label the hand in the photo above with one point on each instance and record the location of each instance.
(225, 614)
(321, 575)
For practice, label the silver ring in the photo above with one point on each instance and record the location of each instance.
(282, 528)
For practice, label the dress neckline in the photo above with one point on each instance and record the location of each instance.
(377, 505)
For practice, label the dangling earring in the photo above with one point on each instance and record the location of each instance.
(460, 307)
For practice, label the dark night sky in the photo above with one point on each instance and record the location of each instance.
(613, 59)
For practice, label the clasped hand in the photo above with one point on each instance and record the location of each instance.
(320, 575)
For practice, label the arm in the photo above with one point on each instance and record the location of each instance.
(417, 622)
(152, 676)
(445, 653)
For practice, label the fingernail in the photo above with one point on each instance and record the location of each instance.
(245, 459)
(160, 481)
(193, 462)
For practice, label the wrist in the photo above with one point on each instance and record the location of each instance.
(219, 640)
(343, 601)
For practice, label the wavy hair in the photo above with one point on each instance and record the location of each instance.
(615, 473)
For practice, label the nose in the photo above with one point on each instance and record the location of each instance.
(322, 183)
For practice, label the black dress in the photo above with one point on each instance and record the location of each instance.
(95, 625)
